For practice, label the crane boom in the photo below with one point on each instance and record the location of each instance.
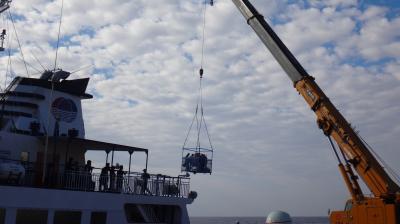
(329, 119)
(278, 49)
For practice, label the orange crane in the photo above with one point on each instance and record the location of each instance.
(383, 207)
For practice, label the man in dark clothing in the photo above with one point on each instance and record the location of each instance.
(88, 176)
(145, 177)
(120, 178)
(88, 167)
(112, 178)
(104, 177)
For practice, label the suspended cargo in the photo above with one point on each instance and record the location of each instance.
(198, 159)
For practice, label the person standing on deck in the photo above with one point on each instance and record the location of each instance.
(104, 177)
(145, 177)
(112, 179)
(120, 178)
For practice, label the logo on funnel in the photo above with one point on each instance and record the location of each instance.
(64, 109)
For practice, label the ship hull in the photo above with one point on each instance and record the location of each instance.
(51, 202)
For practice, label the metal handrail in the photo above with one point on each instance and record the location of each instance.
(128, 183)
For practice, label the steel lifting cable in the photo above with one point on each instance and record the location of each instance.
(202, 120)
(201, 71)
(201, 77)
(203, 38)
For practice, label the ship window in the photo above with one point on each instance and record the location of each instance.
(133, 214)
(98, 218)
(2, 215)
(25, 216)
(67, 217)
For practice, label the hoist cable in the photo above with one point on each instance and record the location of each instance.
(19, 43)
(199, 113)
(201, 76)
(203, 37)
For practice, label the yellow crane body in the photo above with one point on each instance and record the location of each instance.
(384, 204)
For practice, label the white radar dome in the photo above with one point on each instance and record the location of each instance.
(278, 217)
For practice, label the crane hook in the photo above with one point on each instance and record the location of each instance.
(201, 73)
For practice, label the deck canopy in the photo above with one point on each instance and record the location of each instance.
(64, 148)
(88, 144)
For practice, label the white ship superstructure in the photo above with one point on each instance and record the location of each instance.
(44, 174)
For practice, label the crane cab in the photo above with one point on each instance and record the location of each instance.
(369, 210)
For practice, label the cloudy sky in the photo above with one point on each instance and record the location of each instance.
(143, 56)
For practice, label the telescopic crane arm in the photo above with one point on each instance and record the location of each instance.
(329, 119)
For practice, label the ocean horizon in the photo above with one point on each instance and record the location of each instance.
(255, 220)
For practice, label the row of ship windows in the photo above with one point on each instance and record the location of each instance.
(38, 216)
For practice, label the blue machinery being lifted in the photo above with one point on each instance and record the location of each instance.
(198, 159)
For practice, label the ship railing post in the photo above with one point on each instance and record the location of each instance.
(130, 151)
(147, 159)
(107, 152)
(112, 157)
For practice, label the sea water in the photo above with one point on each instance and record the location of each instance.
(254, 220)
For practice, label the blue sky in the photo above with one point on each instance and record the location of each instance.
(269, 153)
(387, 3)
